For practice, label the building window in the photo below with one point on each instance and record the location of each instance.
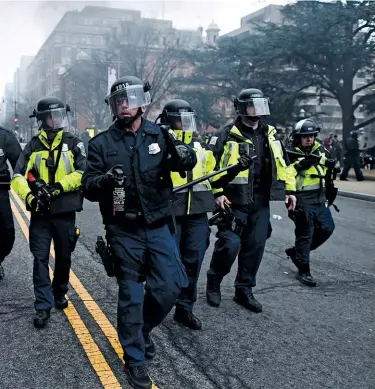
(66, 55)
(57, 55)
(98, 40)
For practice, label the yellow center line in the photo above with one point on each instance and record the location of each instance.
(95, 356)
(91, 305)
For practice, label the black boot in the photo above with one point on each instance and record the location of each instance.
(149, 346)
(138, 377)
(2, 274)
(291, 253)
(41, 317)
(61, 303)
(246, 298)
(187, 319)
(304, 276)
(213, 294)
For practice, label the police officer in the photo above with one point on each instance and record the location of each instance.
(190, 206)
(139, 235)
(313, 220)
(48, 177)
(10, 151)
(248, 193)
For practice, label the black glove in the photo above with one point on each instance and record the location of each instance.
(305, 164)
(184, 154)
(244, 162)
(36, 205)
(54, 189)
(113, 177)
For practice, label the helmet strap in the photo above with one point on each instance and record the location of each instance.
(126, 122)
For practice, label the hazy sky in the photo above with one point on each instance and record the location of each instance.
(24, 25)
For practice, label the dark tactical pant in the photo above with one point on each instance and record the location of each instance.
(248, 242)
(144, 254)
(44, 229)
(192, 238)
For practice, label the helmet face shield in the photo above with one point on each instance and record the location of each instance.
(184, 121)
(53, 119)
(255, 106)
(128, 97)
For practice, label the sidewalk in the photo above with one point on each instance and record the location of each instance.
(368, 174)
(362, 190)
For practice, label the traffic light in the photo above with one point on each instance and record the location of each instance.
(16, 125)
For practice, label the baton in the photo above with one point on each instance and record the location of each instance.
(204, 178)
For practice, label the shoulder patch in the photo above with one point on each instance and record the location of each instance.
(81, 146)
(213, 140)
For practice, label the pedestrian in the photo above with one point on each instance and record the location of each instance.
(138, 233)
(248, 192)
(312, 218)
(10, 150)
(352, 157)
(190, 206)
(48, 178)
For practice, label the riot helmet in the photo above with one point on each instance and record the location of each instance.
(179, 115)
(128, 93)
(51, 114)
(306, 127)
(252, 103)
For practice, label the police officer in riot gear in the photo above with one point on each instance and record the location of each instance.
(10, 151)
(139, 235)
(48, 178)
(248, 193)
(190, 206)
(312, 167)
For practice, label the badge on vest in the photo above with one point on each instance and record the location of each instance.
(65, 147)
(153, 148)
(1, 153)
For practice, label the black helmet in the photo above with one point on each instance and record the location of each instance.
(181, 117)
(306, 127)
(251, 98)
(131, 90)
(52, 113)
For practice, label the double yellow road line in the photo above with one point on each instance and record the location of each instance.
(92, 350)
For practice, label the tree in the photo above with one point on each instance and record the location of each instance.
(227, 68)
(84, 88)
(203, 103)
(148, 53)
(328, 45)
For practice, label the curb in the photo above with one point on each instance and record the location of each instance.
(356, 195)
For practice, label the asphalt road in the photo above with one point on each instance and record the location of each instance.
(305, 338)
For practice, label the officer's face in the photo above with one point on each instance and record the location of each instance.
(250, 110)
(49, 122)
(307, 140)
(124, 112)
(178, 125)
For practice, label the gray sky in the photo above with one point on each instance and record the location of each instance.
(24, 25)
